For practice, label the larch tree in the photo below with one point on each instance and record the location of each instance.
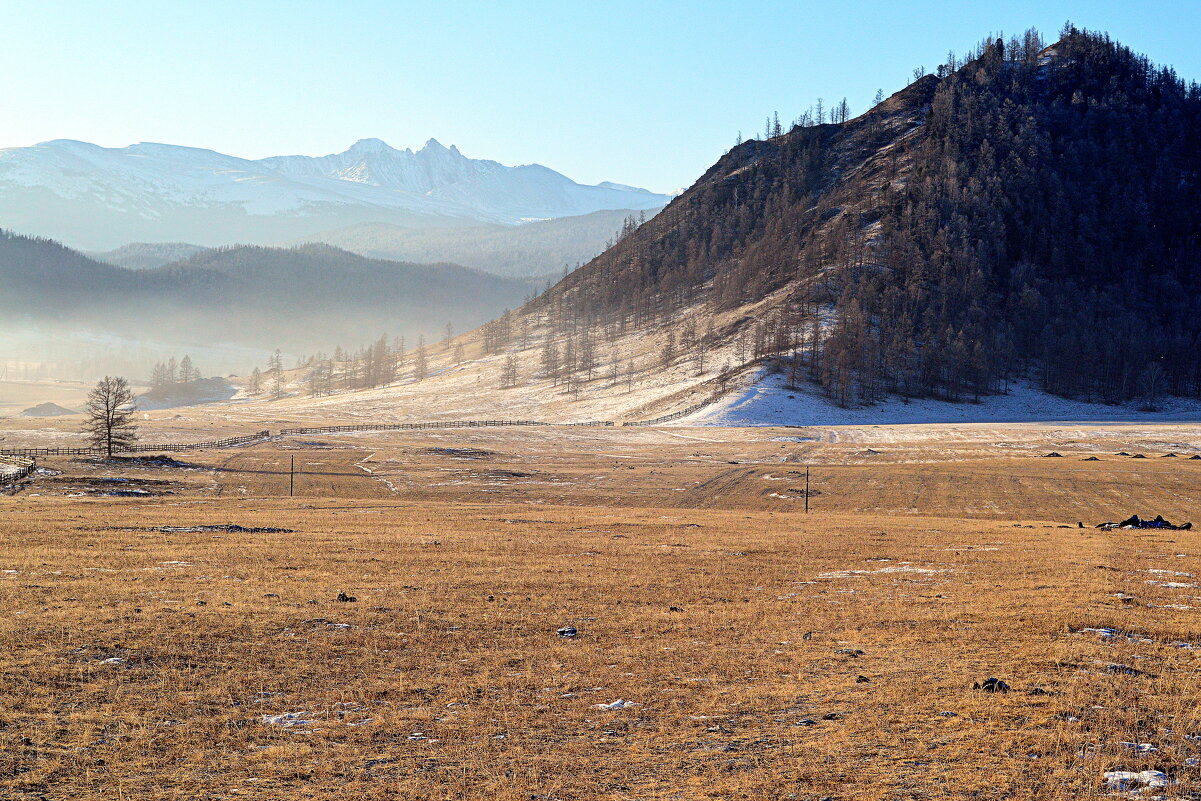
(188, 371)
(109, 415)
(420, 366)
(509, 373)
(276, 368)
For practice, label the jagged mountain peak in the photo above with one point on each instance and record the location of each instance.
(100, 198)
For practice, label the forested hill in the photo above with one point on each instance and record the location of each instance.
(297, 298)
(1033, 211)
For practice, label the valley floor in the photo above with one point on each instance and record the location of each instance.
(173, 628)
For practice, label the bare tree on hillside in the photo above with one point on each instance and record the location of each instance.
(668, 354)
(109, 415)
(550, 359)
(420, 365)
(275, 366)
(508, 373)
(188, 371)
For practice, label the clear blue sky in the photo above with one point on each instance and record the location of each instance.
(648, 93)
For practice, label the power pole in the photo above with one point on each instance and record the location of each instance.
(292, 479)
(806, 489)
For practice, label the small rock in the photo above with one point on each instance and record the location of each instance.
(567, 631)
(346, 599)
(613, 706)
(861, 679)
(991, 685)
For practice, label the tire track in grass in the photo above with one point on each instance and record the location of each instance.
(359, 464)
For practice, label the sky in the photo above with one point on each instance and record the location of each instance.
(646, 93)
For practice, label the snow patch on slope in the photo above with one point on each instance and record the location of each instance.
(768, 402)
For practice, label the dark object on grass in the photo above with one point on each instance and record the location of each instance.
(346, 599)
(1195, 456)
(853, 653)
(1123, 453)
(1037, 691)
(675, 609)
(862, 679)
(830, 716)
(1134, 521)
(230, 528)
(1168, 456)
(1053, 454)
(567, 631)
(1125, 670)
(991, 685)
(1138, 456)
(1090, 459)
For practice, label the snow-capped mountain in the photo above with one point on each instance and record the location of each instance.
(96, 197)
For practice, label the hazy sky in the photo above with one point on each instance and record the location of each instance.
(648, 93)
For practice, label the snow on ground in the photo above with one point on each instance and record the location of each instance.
(767, 402)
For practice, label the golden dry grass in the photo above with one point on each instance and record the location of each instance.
(139, 663)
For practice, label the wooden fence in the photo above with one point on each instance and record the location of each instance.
(433, 425)
(667, 418)
(24, 464)
(229, 442)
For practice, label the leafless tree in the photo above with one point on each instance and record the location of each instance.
(110, 408)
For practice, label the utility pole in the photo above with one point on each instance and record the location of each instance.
(292, 480)
(806, 489)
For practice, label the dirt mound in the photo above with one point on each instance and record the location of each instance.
(47, 410)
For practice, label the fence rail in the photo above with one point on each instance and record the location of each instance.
(433, 425)
(228, 442)
(667, 418)
(24, 464)
(31, 454)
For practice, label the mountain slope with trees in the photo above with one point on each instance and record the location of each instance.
(1026, 212)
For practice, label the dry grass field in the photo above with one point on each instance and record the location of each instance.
(150, 651)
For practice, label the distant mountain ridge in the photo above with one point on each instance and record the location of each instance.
(100, 198)
(146, 255)
(297, 298)
(542, 248)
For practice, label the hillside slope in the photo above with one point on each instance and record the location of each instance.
(1036, 211)
(1030, 215)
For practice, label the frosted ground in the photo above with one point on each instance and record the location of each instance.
(768, 402)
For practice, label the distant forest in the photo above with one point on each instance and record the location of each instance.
(257, 297)
(1023, 212)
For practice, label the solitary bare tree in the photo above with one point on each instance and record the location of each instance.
(109, 424)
